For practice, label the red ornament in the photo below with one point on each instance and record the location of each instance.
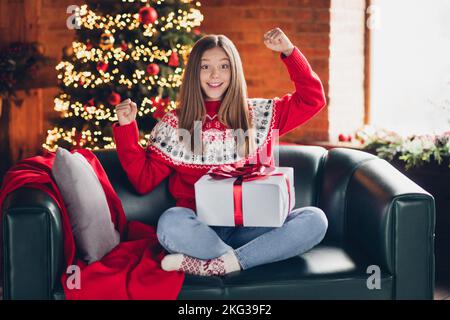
(345, 137)
(89, 46)
(124, 46)
(114, 99)
(160, 105)
(147, 15)
(102, 66)
(152, 69)
(174, 60)
(197, 31)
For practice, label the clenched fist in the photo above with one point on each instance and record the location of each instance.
(126, 112)
(277, 40)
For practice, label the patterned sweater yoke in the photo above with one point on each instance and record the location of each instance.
(218, 147)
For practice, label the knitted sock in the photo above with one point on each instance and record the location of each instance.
(212, 267)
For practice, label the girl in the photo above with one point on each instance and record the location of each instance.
(213, 100)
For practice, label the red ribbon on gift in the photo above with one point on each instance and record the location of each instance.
(247, 172)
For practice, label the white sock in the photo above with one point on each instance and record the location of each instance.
(212, 267)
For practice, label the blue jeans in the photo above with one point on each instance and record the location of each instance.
(179, 231)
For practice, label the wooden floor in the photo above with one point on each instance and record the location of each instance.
(442, 275)
(442, 292)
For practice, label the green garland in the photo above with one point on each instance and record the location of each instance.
(414, 151)
(19, 62)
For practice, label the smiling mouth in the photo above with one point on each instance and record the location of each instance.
(215, 85)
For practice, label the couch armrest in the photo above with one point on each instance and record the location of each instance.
(32, 245)
(391, 220)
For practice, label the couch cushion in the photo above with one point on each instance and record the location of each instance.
(325, 272)
(86, 204)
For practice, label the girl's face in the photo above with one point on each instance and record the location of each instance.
(215, 73)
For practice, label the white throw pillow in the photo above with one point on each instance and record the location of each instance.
(86, 205)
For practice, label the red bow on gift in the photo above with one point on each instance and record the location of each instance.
(247, 172)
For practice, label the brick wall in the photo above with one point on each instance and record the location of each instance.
(306, 22)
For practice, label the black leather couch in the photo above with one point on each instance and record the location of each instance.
(377, 217)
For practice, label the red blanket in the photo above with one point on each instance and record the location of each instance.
(131, 270)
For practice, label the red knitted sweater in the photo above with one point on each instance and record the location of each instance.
(165, 157)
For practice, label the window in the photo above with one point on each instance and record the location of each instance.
(410, 70)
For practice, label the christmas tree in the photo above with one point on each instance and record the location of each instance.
(122, 49)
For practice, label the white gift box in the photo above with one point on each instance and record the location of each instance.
(265, 202)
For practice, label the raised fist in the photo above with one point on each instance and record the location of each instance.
(126, 112)
(277, 40)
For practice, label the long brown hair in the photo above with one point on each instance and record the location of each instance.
(233, 111)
